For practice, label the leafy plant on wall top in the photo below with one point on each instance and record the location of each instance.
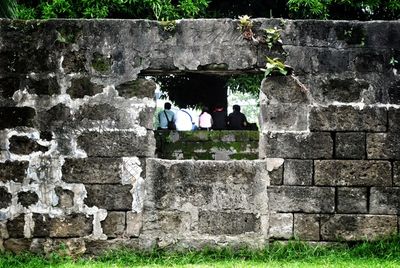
(245, 26)
(272, 37)
(275, 66)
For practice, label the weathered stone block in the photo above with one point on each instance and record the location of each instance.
(357, 227)
(292, 93)
(5, 198)
(298, 172)
(117, 143)
(393, 90)
(280, 226)
(222, 223)
(92, 170)
(109, 196)
(9, 85)
(65, 197)
(27, 198)
(343, 89)
(114, 224)
(47, 86)
(384, 200)
(352, 173)
(347, 118)
(42, 225)
(24, 145)
(134, 223)
(11, 117)
(301, 199)
(281, 117)
(276, 176)
(306, 226)
(74, 62)
(141, 88)
(350, 145)
(293, 145)
(382, 145)
(17, 246)
(57, 116)
(15, 226)
(101, 111)
(74, 225)
(396, 173)
(394, 118)
(81, 87)
(15, 171)
(352, 200)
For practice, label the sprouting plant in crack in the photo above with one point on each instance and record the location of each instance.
(276, 66)
(245, 26)
(272, 37)
(393, 61)
(168, 25)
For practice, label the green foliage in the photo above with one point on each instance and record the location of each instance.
(246, 83)
(393, 61)
(8, 9)
(272, 37)
(275, 66)
(25, 13)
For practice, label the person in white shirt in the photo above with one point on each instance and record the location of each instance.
(205, 119)
(183, 120)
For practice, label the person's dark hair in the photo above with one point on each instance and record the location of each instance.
(204, 110)
(236, 108)
(167, 106)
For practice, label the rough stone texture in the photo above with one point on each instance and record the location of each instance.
(352, 200)
(65, 197)
(47, 86)
(5, 198)
(301, 199)
(141, 88)
(348, 118)
(293, 93)
(81, 87)
(92, 170)
(109, 196)
(24, 145)
(15, 171)
(117, 144)
(114, 224)
(17, 246)
(217, 223)
(350, 145)
(98, 247)
(298, 172)
(384, 200)
(27, 198)
(357, 227)
(276, 176)
(352, 173)
(73, 225)
(302, 146)
(280, 226)
(306, 226)
(396, 173)
(11, 117)
(380, 145)
(134, 223)
(394, 119)
(15, 226)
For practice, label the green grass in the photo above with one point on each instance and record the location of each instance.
(382, 253)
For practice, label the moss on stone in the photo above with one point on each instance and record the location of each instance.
(101, 63)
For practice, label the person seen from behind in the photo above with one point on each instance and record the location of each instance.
(205, 119)
(183, 120)
(219, 118)
(165, 116)
(237, 120)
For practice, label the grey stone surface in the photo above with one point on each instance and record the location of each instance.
(140, 88)
(117, 144)
(109, 196)
(15, 226)
(17, 246)
(352, 173)
(298, 172)
(396, 173)
(27, 198)
(381, 145)
(284, 90)
(280, 226)
(114, 224)
(350, 145)
(92, 170)
(352, 200)
(384, 200)
(13, 170)
(81, 87)
(73, 225)
(301, 199)
(297, 145)
(306, 226)
(357, 227)
(394, 120)
(276, 176)
(227, 223)
(285, 117)
(348, 118)
(65, 197)
(134, 223)
(24, 145)
(5, 198)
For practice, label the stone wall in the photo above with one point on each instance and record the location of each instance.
(77, 162)
(207, 145)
